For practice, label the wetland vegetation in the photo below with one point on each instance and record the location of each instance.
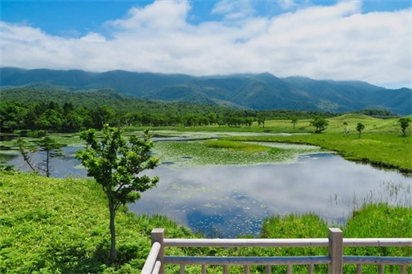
(53, 224)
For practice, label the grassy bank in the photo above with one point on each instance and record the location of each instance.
(381, 150)
(61, 226)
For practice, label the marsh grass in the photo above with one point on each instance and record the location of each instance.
(236, 146)
(392, 193)
(375, 220)
(379, 220)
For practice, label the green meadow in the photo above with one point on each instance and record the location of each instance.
(336, 124)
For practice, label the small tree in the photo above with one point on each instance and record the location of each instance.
(261, 120)
(26, 152)
(319, 123)
(52, 150)
(345, 124)
(359, 128)
(47, 145)
(404, 123)
(294, 121)
(115, 164)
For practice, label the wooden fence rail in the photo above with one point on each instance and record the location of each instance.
(156, 260)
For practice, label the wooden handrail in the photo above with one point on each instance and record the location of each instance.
(335, 259)
(245, 242)
(293, 260)
(377, 260)
(377, 242)
(151, 259)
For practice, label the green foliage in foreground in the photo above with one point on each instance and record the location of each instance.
(383, 150)
(115, 164)
(370, 221)
(375, 221)
(60, 226)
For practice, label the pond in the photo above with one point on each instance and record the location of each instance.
(231, 200)
(226, 201)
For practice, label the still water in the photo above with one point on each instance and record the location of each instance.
(227, 201)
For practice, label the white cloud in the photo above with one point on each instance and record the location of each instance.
(233, 10)
(335, 42)
(161, 15)
(286, 4)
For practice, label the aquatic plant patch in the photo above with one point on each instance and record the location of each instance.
(236, 146)
(194, 153)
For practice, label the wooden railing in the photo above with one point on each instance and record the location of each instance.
(156, 259)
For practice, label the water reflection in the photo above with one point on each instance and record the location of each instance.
(60, 167)
(227, 201)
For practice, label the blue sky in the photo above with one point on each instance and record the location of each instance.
(365, 40)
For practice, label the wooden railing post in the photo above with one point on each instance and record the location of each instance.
(158, 235)
(335, 251)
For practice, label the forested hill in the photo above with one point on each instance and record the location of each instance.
(249, 91)
(41, 108)
(44, 93)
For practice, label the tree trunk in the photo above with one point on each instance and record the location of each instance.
(47, 164)
(113, 253)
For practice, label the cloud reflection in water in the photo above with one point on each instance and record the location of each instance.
(226, 201)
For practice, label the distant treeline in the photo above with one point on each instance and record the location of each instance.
(66, 117)
(377, 113)
(31, 108)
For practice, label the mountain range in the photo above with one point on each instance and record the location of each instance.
(242, 91)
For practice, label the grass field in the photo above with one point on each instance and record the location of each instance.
(336, 124)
